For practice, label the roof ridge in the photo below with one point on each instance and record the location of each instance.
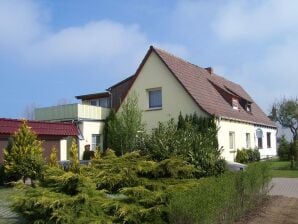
(175, 56)
(33, 121)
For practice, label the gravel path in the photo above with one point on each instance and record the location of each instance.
(280, 208)
(287, 187)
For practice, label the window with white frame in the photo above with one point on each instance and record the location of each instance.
(259, 135)
(95, 141)
(235, 103)
(268, 140)
(248, 144)
(155, 98)
(232, 139)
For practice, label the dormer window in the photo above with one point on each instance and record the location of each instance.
(248, 108)
(235, 103)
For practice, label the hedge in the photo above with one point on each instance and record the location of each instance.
(222, 199)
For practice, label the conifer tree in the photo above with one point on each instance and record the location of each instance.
(125, 128)
(74, 157)
(24, 157)
(53, 158)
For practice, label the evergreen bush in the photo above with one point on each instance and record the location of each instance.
(241, 156)
(135, 189)
(23, 158)
(74, 157)
(193, 138)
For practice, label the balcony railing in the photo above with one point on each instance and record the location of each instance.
(71, 112)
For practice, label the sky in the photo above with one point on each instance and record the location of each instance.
(54, 50)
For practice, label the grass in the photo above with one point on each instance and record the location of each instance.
(283, 169)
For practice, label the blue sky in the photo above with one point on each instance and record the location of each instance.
(53, 50)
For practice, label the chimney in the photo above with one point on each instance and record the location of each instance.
(210, 70)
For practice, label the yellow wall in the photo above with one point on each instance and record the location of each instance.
(155, 74)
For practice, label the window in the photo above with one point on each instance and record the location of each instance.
(235, 104)
(260, 143)
(259, 134)
(95, 141)
(248, 108)
(232, 139)
(248, 145)
(93, 102)
(268, 139)
(104, 102)
(155, 100)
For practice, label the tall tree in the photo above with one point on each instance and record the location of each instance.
(285, 112)
(24, 157)
(125, 127)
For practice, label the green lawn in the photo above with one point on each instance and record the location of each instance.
(282, 169)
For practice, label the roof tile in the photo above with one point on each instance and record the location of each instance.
(10, 126)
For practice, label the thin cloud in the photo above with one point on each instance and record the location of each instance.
(21, 22)
(256, 20)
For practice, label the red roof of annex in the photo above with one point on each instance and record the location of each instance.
(10, 126)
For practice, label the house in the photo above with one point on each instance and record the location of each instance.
(167, 85)
(52, 134)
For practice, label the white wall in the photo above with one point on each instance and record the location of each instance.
(240, 129)
(265, 151)
(88, 128)
(155, 74)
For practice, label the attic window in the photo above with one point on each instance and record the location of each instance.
(248, 108)
(235, 103)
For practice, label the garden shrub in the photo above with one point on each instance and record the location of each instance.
(220, 199)
(241, 156)
(247, 155)
(253, 155)
(74, 157)
(113, 189)
(193, 138)
(135, 189)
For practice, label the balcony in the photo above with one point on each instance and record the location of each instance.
(70, 112)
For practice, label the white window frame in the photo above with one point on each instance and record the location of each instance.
(269, 146)
(154, 107)
(96, 143)
(248, 140)
(232, 140)
(235, 103)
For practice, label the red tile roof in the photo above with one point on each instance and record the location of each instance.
(10, 126)
(200, 84)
